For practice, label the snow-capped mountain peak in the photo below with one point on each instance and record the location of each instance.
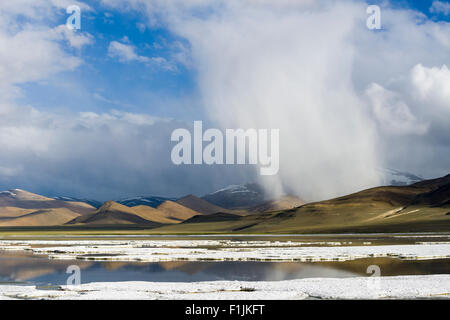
(237, 196)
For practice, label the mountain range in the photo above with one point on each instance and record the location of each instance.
(420, 206)
(19, 208)
(230, 197)
(242, 196)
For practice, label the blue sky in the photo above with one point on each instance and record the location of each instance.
(89, 113)
(131, 85)
(102, 83)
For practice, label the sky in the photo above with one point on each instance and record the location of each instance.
(89, 112)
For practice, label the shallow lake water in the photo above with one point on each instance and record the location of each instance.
(25, 267)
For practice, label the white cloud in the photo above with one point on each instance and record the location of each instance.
(38, 10)
(94, 119)
(393, 114)
(125, 52)
(432, 85)
(420, 98)
(33, 51)
(440, 7)
(33, 54)
(76, 39)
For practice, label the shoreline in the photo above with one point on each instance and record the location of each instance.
(362, 288)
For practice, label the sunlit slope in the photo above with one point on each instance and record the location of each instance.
(42, 217)
(28, 202)
(153, 214)
(419, 207)
(111, 213)
(22, 208)
(176, 211)
(200, 205)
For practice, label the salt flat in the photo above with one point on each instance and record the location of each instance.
(399, 287)
(222, 250)
(394, 287)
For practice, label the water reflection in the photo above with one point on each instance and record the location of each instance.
(23, 266)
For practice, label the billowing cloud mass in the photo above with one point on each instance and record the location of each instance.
(256, 74)
(347, 100)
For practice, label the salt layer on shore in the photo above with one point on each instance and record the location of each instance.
(199, 250)
(399, 287)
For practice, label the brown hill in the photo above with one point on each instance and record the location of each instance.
(20, 195)
(410, 208)
(420, 207)
(111, 213)
(439, 194)
(153, 214)
(13, 212)
(22, 208)
(17, 198)
(200, 205)
(42, 217)
(215, 217)
(175, 211)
